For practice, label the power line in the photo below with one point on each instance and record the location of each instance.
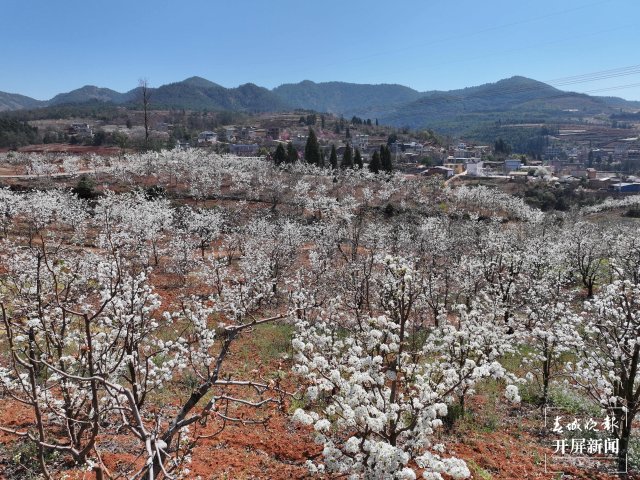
(618, 87)
(601, 75)
(565, 81)
(603, 72)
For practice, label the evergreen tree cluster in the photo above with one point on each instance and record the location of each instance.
(381, 161)
(351, 158)
(500, 146)
(385, 159)
(14, 133)
(359, 121)
(282, 155)
(347, 158)
(309, 120)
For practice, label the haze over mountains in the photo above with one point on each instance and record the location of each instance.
(515, 97)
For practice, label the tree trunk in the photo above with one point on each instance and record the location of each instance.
(99, 473)
(624, 447)
(546, 373)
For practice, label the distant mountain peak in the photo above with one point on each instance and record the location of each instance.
(199, 82)
(87, 93)
(520, 80)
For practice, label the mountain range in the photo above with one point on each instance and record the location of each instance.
(513, 98)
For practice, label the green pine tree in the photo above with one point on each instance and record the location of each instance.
(312, 149)
(357, 159)
(292, 153)
(374, 164)
(385, 159)
(280, 156)
(347, 157)
(333, 158)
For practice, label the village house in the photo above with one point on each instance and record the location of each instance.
(80, 130)
(474, 167)
(207, 138)
(625, 187)
(438, 170)
(244, 150)
(273, 133)
(361, 142)
(512, 164)
(229, 133)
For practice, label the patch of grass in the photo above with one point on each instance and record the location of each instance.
(484, 418)
(571, 402)
(478, 471)
(487, 421)
(271, 341)
(21, 460)
(189, 381)
(513, 361)
(490, 421)
(536, 458)
(296, 403)
(491, 387)
(530, 393)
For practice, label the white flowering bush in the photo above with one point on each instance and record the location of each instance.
(487, 199)
(608, 365)
(613, 203)
(89, 341)
(466, 349)
(586, 252)
(512, 394)
(374, 401)
(548, 326)
(380, 409)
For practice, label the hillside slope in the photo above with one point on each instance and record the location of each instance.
(89, 93)
(345, 98)
(198, 94)
(14, 101)
(511, 100)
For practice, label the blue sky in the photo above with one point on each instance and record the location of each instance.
(50, 47)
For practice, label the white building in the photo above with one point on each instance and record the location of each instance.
(474, 168)
(361, 141)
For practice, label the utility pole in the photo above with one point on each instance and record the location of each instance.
(146, 95)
